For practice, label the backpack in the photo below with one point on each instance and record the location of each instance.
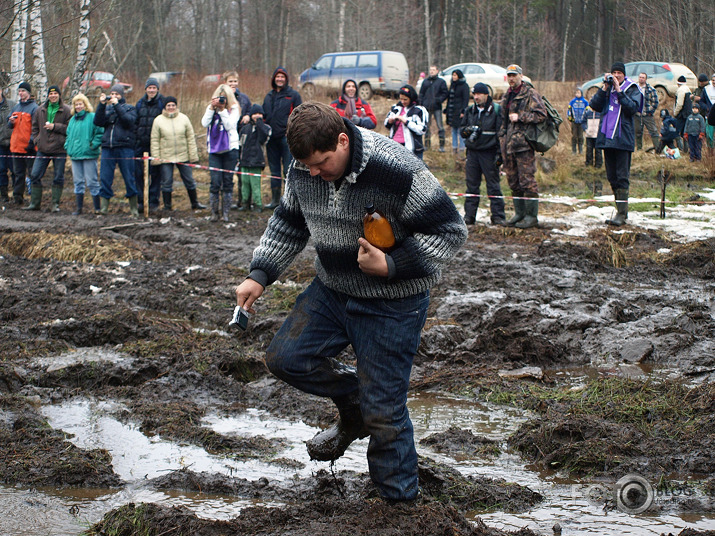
(543, 136)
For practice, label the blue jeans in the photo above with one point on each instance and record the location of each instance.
(277, 151)
(6, 168)
(85, 171)
(457, 139)
(222, 181)
(166, 172)
(111, 158)
(39, 167)
(385, 335)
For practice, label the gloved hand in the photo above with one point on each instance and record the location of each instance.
(498, 160)
(702, 135)
(355, 119)
(30, 147)
(685, 136)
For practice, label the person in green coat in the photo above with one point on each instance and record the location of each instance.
(83, 145)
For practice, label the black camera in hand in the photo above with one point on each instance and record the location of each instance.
(608, 79)
(222, 100)
(471, 133)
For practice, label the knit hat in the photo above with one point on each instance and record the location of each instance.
(117, 88)
(54, 88)
(513, 69)
(702, 77)
(25, 86)
(169, 99)
(681, 80)
(480, 88)
(618, 66)
(256, 109)
(151, 81)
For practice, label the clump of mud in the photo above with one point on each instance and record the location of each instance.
(457, 442)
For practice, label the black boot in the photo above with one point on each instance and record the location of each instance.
(275, 199)
(97, 203)
(195, 205)
(166, 196)
(621, 208)
(519, 211)
(80, 202)
(214, 201)
(3, 195)
(531, 211)
(331, 443)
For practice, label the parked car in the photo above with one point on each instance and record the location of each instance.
(166, 78)
(662, 76)
(375, 71)
(96, 82)
(211, 80)
(492, 75)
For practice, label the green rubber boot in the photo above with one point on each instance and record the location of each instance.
(35, 198)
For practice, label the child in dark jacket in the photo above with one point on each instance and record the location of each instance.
(251, 139)
(694, 133)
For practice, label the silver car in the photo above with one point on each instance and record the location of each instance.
(494, 76)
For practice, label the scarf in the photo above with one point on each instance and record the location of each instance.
(52, 110)
(612, 118)
(350, 109)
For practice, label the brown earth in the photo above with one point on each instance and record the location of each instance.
(509, 299)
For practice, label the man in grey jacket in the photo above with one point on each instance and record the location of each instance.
(6, 169)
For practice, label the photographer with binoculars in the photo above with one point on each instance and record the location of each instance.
(479, 128)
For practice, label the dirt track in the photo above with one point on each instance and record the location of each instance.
(509, 300)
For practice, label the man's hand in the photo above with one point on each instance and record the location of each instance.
(247, 293)
(514, 117)
(371, 259)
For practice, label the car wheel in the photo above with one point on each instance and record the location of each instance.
(365, 91)
(662, 94)
(307, 91)
(591, 92)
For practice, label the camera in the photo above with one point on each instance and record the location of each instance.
(240, 318)
(471, 133)
(222, 100)
(608, 79)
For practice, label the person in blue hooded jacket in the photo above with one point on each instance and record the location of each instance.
(577, 107)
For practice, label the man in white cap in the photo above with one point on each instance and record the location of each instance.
(682, 109)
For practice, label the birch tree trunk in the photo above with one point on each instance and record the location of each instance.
(80, 65)
(341, 26)
(565, 44)
(19, 34)
(38, 48)
(428, 34)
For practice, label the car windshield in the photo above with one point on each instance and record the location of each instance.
(496, 68)
(107, 77)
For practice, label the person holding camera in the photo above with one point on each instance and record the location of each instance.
(618, 100)
(221, 120)
(407, 121)
(479, 128)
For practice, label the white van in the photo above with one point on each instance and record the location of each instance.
(375, 71)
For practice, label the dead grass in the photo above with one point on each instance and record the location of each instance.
(67, 247)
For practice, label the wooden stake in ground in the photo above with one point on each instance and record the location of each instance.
(664, 178)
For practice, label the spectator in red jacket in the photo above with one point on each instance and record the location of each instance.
(352, 107)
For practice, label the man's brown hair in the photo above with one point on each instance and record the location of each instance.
(313, 126)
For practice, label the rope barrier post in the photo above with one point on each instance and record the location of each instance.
(145, 193)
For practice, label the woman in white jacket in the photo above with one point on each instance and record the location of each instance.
(220, 119)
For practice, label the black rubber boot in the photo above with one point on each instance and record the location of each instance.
(80, 202)
(331, 443)
(621, 208)
(519, 211)
(3, 195)
(214, 201)
(531, 211)
(195, 205)
(226, 206)
(166, 196)
(275, 199)
(96, 201)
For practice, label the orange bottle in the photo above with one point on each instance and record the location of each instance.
(377, 229)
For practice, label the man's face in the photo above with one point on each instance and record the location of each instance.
(330, 165)
(433, 71)
(480, 98)
(115, 95)
(642, 79)
(712, 81)
(151, 91)
(280, 80)
(618, 75)
(232, 82)
(53, 96)
(703, 83)
(23, 94)
(514, 79)
(350, 89)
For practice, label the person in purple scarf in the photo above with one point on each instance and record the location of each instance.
(618, 100)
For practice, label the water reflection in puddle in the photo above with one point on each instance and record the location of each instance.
(137, 458)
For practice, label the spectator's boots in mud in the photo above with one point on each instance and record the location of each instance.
(35, 199)
(103, 206)
(441, 145)
(531, 212)
(518, 211)
(133, 206)
(245, 205)
(3, 195)
(213, 201)
(275, 199)
(195, 205)
(56, 197)
(621, 208)
(96, 201)
(79, 198)
(166, 197)
(331, 443)
(227, 197)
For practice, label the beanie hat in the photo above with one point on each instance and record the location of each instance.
(256, 109)
(167, 100)
(702, 77)
(25, 86)
(54, 88)
(619, 66)
(681, 79)
(480, 88)
(117, 88)
(151, 81)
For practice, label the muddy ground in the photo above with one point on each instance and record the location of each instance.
(513, 308)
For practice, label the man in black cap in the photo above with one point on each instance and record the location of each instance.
(618, 100)
(479, 128)
(147, 109)
(700, 96)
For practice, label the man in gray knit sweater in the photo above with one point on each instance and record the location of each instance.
(375, 301)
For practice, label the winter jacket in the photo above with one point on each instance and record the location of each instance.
(683, 102)
(278, 105)
(631, 101)
(51, 141)
(229, 119)
(119, 122)
(366, 117)
(457, 101)
(84, 138)
(489, 122)
(433, 93)
(21, 138)
(694, 125)
(244, 102)
(576, 108)
(5, 131)
(528, 105)
(669, 129)
(147, 110)
(252, 137)
(173, 139)
(417, 119)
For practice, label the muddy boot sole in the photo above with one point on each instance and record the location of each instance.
(331, 443)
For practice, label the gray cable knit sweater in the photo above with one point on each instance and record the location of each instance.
(428, 229)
